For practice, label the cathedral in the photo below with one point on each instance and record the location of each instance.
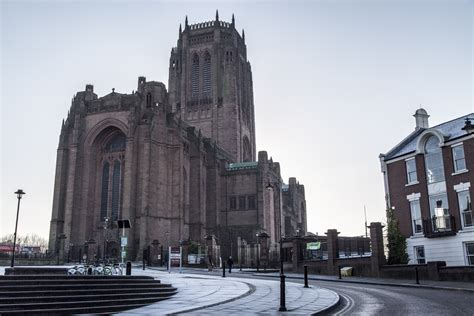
(180, 163)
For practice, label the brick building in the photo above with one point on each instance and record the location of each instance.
(428, 178)
(179, 163)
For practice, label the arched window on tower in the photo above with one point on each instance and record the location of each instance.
(105, 191)
(206, 71)
(247, 150)
(148, 100)
(195, 77)
(116, 189)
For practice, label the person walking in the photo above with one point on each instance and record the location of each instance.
(230, 262)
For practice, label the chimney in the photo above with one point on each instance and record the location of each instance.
(421, 118)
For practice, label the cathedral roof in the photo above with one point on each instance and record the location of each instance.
(243, 165)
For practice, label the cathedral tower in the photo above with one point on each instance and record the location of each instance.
(210, 85)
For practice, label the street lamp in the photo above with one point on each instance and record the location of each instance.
(18, 193)
(106, 225)
(468, 127)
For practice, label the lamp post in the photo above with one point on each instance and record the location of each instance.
(468, 127)
(106, 225)
(18, 193)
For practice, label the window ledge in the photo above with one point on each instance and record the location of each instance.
(417, 235)
(412, 183)
(468, 229)
(459, 172)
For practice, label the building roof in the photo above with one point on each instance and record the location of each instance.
(450, 130)
(243, 165)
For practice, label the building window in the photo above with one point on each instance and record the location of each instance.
(416, 217)
(251, 202)
(420, 254)
(465, 207)
(206, 72)
(470, 253)
(458, 158)
(148, 100)
(242, 202)
(411, 171)
(105, 191)
(116, 190)
(232, 203)
(441, 220)
(433, 160)
(195, 77)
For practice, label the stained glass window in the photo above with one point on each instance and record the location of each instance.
(105, 191)
(115, 190)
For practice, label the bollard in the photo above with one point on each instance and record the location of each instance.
(128, 269)
(89, 271)
(306, 276)
(340, 274)
(282, 294)
(223, 269)
(416, 276)
(143, 257)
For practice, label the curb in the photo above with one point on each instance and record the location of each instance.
(329, 308)
(433, 287)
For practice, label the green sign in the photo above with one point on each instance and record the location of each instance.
(313, 245)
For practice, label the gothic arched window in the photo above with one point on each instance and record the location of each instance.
(206, 71)
(195, 77)
(117, 143)
(116, 189)
(433, 160)
(148, 100)
(247, 150)
(105, 191)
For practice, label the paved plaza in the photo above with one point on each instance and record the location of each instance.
(211, 294)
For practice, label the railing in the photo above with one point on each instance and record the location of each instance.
(439, 226)
(467, 219)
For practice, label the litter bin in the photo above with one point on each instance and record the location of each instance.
(129, 268)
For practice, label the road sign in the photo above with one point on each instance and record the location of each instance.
(123, 241)
(313, 245)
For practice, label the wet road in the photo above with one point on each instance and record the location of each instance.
(364, 299)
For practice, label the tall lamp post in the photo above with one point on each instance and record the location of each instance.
(19, 194)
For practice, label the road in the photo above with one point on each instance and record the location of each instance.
(365, 299)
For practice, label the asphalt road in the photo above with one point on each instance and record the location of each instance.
(365, 299)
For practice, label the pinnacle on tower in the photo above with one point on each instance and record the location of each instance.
(186, 22)
(233, 20)
(217, 15)
(243, 35)
(180, 29)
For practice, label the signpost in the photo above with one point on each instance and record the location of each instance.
(175, 258)
(313, 245)
(123, 223)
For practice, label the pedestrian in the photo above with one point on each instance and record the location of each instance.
(230, 262)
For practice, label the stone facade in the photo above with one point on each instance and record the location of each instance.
(179, 164)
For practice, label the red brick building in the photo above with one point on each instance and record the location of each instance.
(428, 180)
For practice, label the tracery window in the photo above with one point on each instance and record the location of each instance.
(105, 191)
(195, 77)
(206, 89)
(116, 189)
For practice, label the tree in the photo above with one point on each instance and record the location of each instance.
(26, 240)
(397, 244)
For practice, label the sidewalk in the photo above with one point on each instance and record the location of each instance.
(212, 294)
(442, 285)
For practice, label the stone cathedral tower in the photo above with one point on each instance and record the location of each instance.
(210, 85)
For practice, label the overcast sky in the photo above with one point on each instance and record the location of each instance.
(335, 84)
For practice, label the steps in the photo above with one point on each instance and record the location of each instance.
(63, 294)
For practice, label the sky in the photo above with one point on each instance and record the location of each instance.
(335, 84)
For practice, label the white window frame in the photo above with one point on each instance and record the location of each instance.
(467, 255)
(456, 170)
(414, 181)
(462, 188)
(416, 257)
(413, 226)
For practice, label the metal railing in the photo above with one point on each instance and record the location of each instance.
(439, 226)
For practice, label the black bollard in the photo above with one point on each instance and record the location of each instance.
(340, 274)
(282, 294)
(306, 276)
(223, 269)
(144, 257)
(416, 276)
(89, 271)
(128, 269)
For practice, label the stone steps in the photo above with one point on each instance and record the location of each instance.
(59, 295)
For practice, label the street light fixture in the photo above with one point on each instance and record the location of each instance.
(468, 127)
(19, 194)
